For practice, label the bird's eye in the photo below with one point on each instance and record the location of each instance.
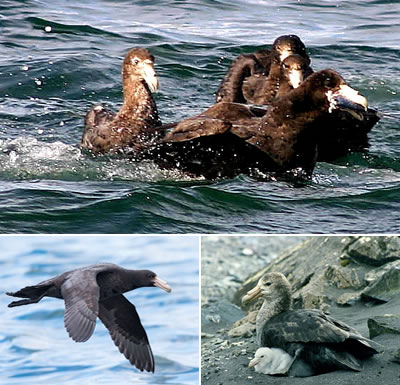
(329, 82)
(268, 283)
(135, 61)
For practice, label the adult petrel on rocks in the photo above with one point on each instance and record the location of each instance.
(97, 291)
(316, 342)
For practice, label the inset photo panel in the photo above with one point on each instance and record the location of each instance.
(99, 310)
(300, 310)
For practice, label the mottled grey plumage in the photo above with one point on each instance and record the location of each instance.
(323, 343)
(96, 291)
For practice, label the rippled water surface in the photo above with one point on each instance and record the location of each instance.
(35, 347)
(50, 79)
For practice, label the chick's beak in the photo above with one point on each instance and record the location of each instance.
(158, 282)
(254, 362)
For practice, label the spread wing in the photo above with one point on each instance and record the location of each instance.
(122, 321)
(81, 296)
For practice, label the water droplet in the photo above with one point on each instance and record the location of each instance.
(13, 156)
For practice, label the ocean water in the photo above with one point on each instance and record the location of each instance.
(34, 345)
(48, 80)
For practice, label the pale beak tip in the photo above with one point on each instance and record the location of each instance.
(162, 285)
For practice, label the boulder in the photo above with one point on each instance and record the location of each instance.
(375, 251)
(324, 273)
(384, 283)
(386, 324)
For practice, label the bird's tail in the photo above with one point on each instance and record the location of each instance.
(325, 358)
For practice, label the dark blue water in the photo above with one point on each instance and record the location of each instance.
(34, 345)
(48, 80)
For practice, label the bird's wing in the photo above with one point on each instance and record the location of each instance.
(98, 115)
(81, 296)
(122, 321)
(305, 326)
(196, 127)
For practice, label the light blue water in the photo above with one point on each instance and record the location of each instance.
(35, 347)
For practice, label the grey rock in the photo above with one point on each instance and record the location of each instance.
(386, 324)
(386, 283)
(222, 278)
(396, 356)
(348, 299)
(304, 264)
(342, 277)
(219, 315)
(375, 251)
(245, 330)
(315, 270)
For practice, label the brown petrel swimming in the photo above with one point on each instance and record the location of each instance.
(97, 291)
(229, 138)
(253, 78)
(132, 128)
(257, 78)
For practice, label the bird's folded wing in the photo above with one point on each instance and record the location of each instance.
(192, 128)
(306, 326)
(123, 322)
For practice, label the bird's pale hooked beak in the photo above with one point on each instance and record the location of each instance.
(254, 362)
(286, 52)
(158, 282)
(150, 76)
(295, 78)
(349, 99)
(252, 294)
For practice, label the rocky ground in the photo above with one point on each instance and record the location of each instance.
(355, 279)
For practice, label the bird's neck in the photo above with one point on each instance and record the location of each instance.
(268, 310)
(139, 107)
(232, 86)
(275, 71)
